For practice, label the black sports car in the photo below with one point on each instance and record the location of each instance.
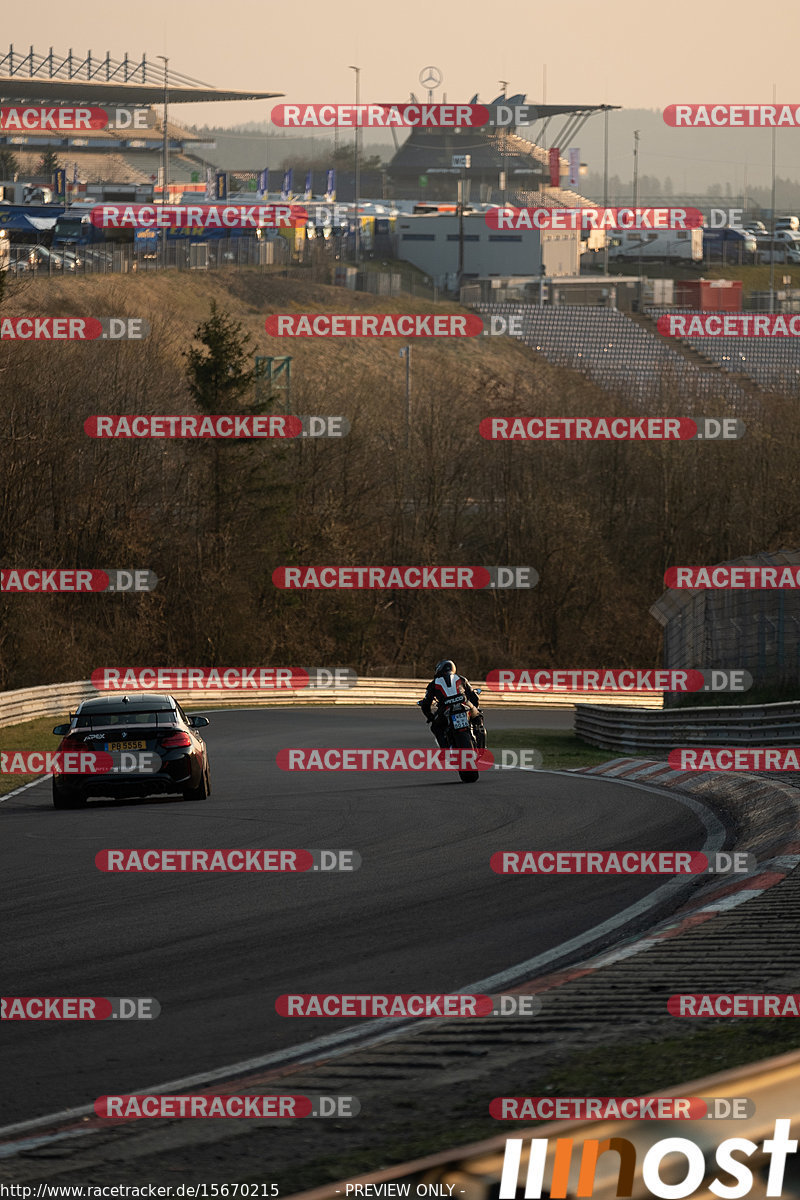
(152, 726)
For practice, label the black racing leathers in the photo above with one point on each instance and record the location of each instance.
(445, 691)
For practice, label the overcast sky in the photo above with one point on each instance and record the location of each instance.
(637, 56)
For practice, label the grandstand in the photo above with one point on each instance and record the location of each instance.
(771, 362)
(619, 355)
(111, 155)
(494, 149)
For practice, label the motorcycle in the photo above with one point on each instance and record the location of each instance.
(464, 729)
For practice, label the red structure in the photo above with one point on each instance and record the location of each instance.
(709, 295)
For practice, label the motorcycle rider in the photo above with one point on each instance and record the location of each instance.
(448, 687)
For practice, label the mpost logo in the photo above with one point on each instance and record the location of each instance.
(221, 426)
(735, 578)
(204, 216)
(411, 578)
(221, 679)
(601, 429)
(393, 325)
(380, 116)
(735, 758)
(212, 1105)
(73, 329)
(79, 1008)
(407, 1005)
(56, 580)
(62, 117)
(625, 680)
(740, 116)
(620, 1108)
(589, 218)
(686, 1178)
(731, 325)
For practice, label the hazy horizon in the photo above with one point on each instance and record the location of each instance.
(687, 54)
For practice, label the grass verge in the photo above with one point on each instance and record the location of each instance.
(560, 749)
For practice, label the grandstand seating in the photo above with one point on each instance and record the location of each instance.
(773, 363)
(617, 353)
(123, 166)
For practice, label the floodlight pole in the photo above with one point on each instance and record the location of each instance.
(357, 164)
(165, 142)
(772, 222)
(605, 187)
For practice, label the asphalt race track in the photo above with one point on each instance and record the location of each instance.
(424, 912)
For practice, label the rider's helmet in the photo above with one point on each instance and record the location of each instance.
(445, 667)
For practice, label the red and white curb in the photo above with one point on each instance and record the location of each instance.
(721, 896)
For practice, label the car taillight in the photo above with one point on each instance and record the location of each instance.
(176, 739)
(70, 742)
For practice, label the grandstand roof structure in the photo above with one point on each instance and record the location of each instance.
(495, 147)
(97, 79)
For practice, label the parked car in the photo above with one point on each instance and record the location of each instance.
(42, 258)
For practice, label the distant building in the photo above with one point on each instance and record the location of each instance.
(432, 243)
(422, 168)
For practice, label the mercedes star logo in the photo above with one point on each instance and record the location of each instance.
(430, 77)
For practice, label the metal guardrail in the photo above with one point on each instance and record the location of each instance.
(614, 728)
(474, 1172)
(55, 700)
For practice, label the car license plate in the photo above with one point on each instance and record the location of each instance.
(460, 720)
(113, 747)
